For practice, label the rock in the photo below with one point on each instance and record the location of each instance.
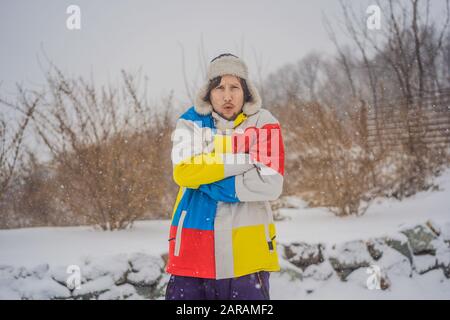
(7, 281)
(116, 266)
(420, 238)
(393, 263)
(146, 273)
(59, 274)
(92, 289)
(349, 257)
(445, 233)
(446, 270)
(425, 263)
(143, 278)
(91, 272)
(7, 272)
(146, 270)
(400, 244)
(374, 249)
(159, 290)
(22, 272)
(320, 272)
(119, 293)
(290, 270)
(43, 289)
(443, 257)
(292, 274)
(135, 276)
(385, 282)
(35, 283)
(40, 271)
(303, 255)
(122, 279)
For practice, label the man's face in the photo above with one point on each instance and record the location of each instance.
(227, 98)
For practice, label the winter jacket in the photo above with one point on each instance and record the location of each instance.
(222, 223)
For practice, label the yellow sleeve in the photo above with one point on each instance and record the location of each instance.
(203, 168)
(200, 169)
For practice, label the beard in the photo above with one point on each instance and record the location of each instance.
(229, 118)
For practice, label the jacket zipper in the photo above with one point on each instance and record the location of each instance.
(178, 235)
(267, 227)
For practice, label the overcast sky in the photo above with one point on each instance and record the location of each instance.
(149, 34)
(137, 34)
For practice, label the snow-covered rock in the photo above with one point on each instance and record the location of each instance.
(443, 256)
(20, 283)
(399, 242)
(375, 248)
(303, 254)
(347, 257)
(425, 263)
(420, 240)
(146, 270)
(115, 266)
(134, 276)
(319, 272)
(123, 292)
(394, 263)
(94, 287)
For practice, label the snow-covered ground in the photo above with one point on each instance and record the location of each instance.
(69, 245)
(61, 247)
(384, 217)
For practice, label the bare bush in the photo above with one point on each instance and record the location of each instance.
(11, 137)
(331, 162)
(30, 200)
(333, 165)
(110, 152)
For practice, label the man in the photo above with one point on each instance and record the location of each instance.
(228, 158)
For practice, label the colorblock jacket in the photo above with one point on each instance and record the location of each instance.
(222, 223)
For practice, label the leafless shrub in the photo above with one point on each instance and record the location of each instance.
(110, 152)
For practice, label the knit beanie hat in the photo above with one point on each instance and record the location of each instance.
(227, 64)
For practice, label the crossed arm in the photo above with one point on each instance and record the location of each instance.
(254, 178)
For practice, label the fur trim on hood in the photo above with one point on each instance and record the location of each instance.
(224, 65)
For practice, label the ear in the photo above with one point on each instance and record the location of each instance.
(253, 106)
(202, 107)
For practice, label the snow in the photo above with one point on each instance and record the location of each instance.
(34, 261)
(114, 266)
(72, 245)
(125, 291)
(394, 263)
(351, 253)
(319, 272)
(385, 217)
(147, 269)
(432, 285)
(102, 283)
(16, 283)
(424, 263)
(442, 252)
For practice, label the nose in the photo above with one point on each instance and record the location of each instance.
(227, 96)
